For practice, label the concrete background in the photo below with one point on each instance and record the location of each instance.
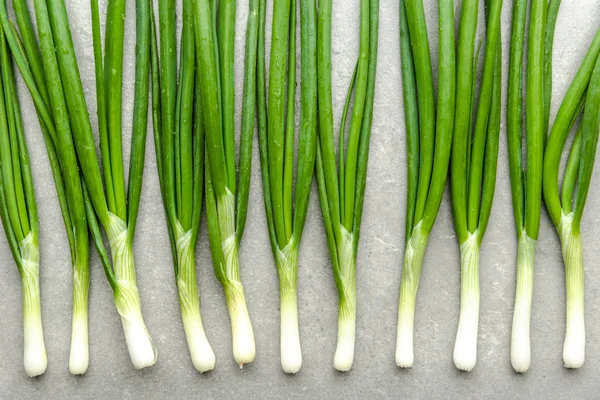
(379, 265)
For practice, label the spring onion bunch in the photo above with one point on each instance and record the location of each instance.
(474, 162)
(68, 123)
(226, 198)
(566, 207)
(286, 208)
(428, 147)
(39, 68)
(341, 190)
(526, 156)
(179, 143)
(18, 212)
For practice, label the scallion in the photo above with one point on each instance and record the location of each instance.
(286, 208)
(18, 212)
(566, 208)
(179, 143)
(226, 198)
(428, 148)
(474, 162)
(341, 192)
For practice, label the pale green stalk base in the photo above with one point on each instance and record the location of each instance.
(572, 250)
(287, 268)
(344, 353)
(411, 273)
(244, 349)
(79, 356)
(465, 347)
(520, 352)
(34, 357)
(127, 299)
(201, 351)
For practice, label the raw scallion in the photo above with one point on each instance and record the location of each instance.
(428, 148)
(179, 143)
(18, 212)
(42, 77)
(226, 199)
(566, 208)
(341, 191)
(526, 177)
(474, 162)
(286, 208)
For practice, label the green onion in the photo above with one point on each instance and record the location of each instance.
(179, 142)
(526, 177)
(116, 208)
(18, 212)
(428, 148)
(59, 144)
(226, 204)
(341, 193)
(286, 208)
(566, 211)
(70, 128)
(474, 162)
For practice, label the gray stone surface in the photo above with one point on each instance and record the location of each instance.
(374, 375)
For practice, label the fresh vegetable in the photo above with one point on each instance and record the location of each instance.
(116, 211)
(474, 162)
(285, 206)
(428, 147)
(566, 207)
(40, 71)
(179, 143)
(526, 177)
(341, 191)
(18, 212)
(226, 199)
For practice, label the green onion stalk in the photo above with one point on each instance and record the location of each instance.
(566, 207)
(18, 212)
(526, 155)
(39, 68)
(226, 198)
(342, 190)
(179, 143)
(286, 208)
(428, 147)
(474, 163)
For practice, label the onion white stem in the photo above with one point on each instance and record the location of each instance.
(201, 351)
(465, 347)
(127, 299)
(411, 273)
(287, 268)
(79, 355)
(344, 354)
(34, 357)
(572, 251)
(520, 353)
(244, 349)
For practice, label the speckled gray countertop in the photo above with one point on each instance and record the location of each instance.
(375, 374)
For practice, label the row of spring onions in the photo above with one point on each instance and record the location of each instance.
(526, 156)
(38, 66)
(428, 147)
(18, 212)
(566, 206)
(286, 207)
(474, 162)
(179, 143)
(342, 189)
(226, 196)
(58, 95)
